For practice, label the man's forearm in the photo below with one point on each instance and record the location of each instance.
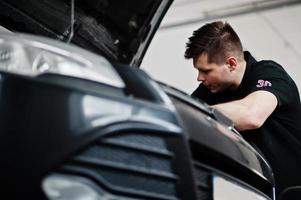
(238, 112)
(251, 111)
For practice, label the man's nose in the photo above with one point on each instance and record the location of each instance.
(200, 77)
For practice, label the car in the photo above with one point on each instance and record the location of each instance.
(80, 120)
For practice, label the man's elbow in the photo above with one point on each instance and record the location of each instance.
(255, 123)
(249, 123)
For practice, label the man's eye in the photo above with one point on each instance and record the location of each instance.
(205, 71)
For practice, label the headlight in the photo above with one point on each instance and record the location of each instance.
(66, 187)
(33, 56)
(224, 189)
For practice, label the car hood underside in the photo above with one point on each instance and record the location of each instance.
(117, 30)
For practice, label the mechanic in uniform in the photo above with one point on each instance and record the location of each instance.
(258, 96)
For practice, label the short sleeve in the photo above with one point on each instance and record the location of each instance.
(271, 77)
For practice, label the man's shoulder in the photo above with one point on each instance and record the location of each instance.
(270, 76)
(268, 68)
(267, 63)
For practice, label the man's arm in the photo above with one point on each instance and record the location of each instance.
(251, 111)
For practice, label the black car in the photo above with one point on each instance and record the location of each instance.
(89, 124)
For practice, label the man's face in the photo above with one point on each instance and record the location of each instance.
(216, 78)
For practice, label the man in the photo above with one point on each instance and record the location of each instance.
(259, 97)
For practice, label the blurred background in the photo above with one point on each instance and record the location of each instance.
(269, 29)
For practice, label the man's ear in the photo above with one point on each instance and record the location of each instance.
(232, 63)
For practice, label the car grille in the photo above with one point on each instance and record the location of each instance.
(137, 165)
(203, 180)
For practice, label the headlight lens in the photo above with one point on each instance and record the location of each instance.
(33, 56)
(224, 189)
(67, 187)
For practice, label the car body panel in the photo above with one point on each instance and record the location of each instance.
(130, 136)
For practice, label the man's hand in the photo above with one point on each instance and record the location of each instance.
(251, 111)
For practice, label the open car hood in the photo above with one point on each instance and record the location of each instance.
(117, 29)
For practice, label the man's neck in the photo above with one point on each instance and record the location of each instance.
(240, 73)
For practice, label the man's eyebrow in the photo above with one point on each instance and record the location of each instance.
(205, 70)
(202, 68)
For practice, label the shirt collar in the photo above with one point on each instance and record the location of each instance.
(250, 60)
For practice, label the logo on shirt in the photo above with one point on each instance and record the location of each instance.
(263, 83)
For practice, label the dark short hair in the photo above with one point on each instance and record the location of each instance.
(217, 39)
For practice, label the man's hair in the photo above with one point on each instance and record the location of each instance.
(217, 39)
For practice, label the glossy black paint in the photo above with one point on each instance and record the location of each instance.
(43, 123)
(48, 120)
(212, 142)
